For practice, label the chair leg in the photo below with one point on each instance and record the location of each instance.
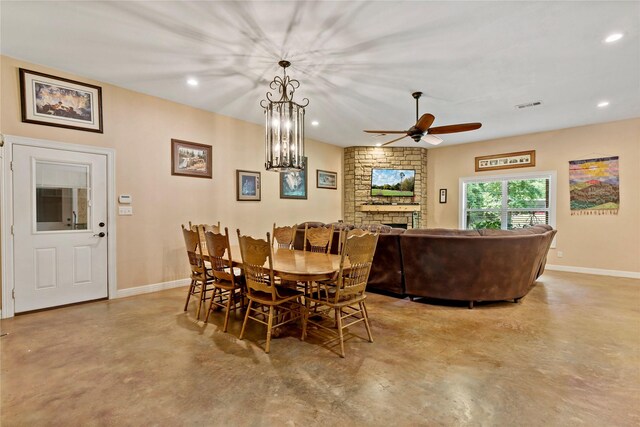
(226, 315)
(470, 305)
(305, 315)
(191, 289)
(246, 317)
(206, 318)
(339, 320)
(202, 296)
(269, 325)
(363, 308)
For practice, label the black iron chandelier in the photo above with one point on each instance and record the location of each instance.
(284, 125)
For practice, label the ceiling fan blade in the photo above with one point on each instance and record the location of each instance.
(462, 127)
(384, 132)
(425, 121)
(394, 140)
(432, 139)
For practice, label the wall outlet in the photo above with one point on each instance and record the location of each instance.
(125, 210)
(560, 254)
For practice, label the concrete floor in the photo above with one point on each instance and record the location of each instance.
(568, 354)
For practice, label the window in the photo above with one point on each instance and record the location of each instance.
(508, 201)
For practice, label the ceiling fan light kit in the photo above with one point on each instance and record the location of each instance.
(422, 130)
(284, 125)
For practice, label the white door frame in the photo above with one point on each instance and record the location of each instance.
(6, 214)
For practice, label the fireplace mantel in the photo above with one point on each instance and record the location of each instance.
(390, 208)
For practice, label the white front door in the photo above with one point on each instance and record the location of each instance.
(60, 226)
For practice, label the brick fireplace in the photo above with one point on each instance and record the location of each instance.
(358, 162)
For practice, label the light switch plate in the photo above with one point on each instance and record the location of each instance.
(125, 199)
(125, 210)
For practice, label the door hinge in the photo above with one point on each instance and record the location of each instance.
(1, 140)
(11, 165)
(12, 230)
(13, 293)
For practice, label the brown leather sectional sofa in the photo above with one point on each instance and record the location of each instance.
(463, 265)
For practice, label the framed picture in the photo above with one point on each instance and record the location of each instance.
(293, 185)
(326, 179)
(191, 159)
(53, 101)
(520, 159)
(443, 195)
(247, 185)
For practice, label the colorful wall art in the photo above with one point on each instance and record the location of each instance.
(594, 186)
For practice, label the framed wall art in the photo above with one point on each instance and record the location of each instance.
(293, 185)
(247, 185)
(519, 159)
(191, 159)
(54, 101)
(326, 179)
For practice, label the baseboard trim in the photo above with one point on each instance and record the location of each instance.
(596, 271)
(154, 287)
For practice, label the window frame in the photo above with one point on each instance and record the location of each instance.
(503, 178)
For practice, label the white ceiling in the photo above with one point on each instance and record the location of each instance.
(357, 62)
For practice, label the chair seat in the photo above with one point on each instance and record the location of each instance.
(284, 294)
(327, 297)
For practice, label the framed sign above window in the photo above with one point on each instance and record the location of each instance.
(519, 159)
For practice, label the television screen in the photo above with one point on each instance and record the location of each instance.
(392, 182)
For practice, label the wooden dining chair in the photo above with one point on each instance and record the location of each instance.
(283, 237)
(227, 285)
(203, 228)
(201, 278)
(347, 296)
(269, 304)
(318, 239)
(347, 233)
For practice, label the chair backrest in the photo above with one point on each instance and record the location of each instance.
(217, 246)
(255, 254)
(358, 249)
(194, 251)
(345, 234)
(283, 237)
(203, 228)
(318, 239)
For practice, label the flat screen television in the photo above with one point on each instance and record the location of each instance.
(392, 182)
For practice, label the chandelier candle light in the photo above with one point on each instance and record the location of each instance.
(284, 120)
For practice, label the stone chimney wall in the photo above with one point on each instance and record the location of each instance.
(358, 163)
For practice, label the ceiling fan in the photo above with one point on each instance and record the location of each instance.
(422, 130)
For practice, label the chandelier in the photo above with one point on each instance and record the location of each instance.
(284, 125)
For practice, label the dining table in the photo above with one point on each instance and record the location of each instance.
(296, 265)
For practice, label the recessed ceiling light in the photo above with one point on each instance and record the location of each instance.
(379, 144)
(613, 37)
(192, 82)
(315, 123)
(603, 104)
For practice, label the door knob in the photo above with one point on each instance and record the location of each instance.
(100, 234)
(101, 224)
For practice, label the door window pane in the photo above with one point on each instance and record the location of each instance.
(62, 191)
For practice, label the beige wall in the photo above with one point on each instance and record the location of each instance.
(610, 242)
(140, 127)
